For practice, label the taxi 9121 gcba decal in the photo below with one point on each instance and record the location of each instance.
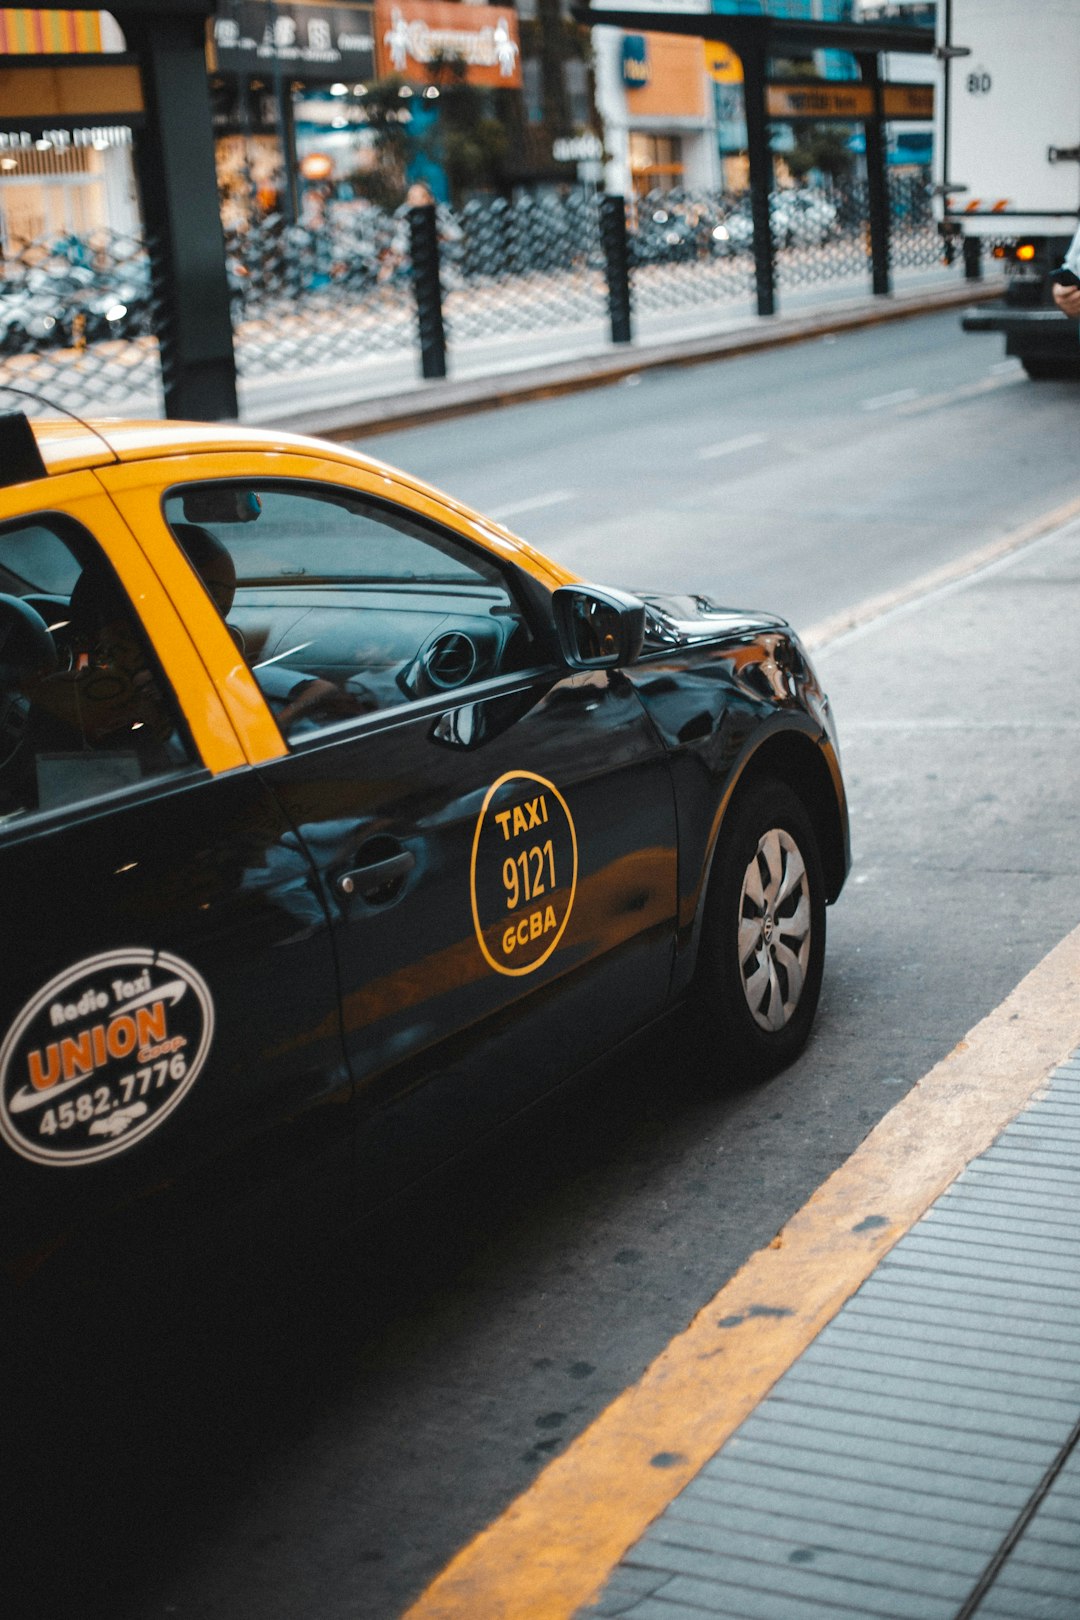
(524, 872)
(102, 1055)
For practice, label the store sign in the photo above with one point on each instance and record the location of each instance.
(26, 31)
(635, 61)
(577, 149)
(721, 63)
(845, 100)
(413, 36)
(908, 101)
(99, 137)
(330, 41)
(822, 100)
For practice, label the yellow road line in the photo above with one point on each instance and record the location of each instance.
(552, 1549)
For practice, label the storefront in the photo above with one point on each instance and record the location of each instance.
(296, 128)
(69, 99)
(287, 87)
(656, 102)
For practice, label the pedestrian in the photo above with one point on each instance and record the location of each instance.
(1066, 291)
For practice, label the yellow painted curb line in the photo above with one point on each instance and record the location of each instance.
(552, 1549)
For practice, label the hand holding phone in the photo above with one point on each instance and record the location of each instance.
(1064, 277)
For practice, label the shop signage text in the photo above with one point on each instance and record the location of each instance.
(635, 61)
(577, 149)
(99, 138)
(247, 36)
(412, 36)
(847, 101)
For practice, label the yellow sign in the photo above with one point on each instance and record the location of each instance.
(847, 100)
(524, 872)
(721, 63)
(821, 100)
(908, 100)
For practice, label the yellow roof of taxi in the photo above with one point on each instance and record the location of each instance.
(67, 446)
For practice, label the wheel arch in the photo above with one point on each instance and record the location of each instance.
(807, 764)
(810, 769)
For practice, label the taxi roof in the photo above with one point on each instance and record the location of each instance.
(69, 446)
(73, 446)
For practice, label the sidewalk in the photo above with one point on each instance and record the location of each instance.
(920, 1458)
(382, 393)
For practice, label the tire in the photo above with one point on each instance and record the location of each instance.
(763, 939)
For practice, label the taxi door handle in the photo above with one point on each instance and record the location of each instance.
(379, 880)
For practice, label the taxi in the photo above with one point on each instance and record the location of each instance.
(337, 824)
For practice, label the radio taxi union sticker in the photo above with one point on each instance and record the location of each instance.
(102, 1055)
(523, 874)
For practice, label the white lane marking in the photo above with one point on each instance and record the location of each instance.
(881, 402)
(533, 504)
(728, 447)
(971, 390)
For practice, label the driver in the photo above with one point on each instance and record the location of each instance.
(292, 697)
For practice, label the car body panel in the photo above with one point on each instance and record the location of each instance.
(387, 933)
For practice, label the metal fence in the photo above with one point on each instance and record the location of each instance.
(78, 318)
(78, 321)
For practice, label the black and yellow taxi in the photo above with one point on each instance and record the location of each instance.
(337, 824)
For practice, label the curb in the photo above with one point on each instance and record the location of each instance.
(432, 402)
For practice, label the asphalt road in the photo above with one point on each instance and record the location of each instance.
(294, 1432)
(802, 479)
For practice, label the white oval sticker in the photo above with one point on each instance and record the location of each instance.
(102, 1055)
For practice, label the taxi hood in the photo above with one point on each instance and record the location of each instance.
(678, 621)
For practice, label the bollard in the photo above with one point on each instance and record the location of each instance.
(617, 266)
(427, 289)
(972, 258)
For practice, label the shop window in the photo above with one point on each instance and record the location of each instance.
(656, 162)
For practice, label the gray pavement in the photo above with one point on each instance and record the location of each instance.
(919, 1460)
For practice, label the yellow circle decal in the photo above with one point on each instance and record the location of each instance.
(523, 873)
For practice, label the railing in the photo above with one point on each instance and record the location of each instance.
(315, 307)
(78, 320)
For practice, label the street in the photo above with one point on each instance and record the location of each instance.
(303, 1430)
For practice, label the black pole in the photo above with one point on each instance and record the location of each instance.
(759, 153)
(877, 183)
(972, 258)
(617, 266)
(427, 289)
(174, 156)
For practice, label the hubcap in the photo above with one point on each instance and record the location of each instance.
(774, 930)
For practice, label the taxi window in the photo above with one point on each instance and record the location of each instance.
(344, 606)
(84, 705)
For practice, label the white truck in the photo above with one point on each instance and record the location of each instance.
(1007, 159)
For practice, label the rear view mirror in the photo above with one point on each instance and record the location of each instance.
(598, 628)
(220, 503)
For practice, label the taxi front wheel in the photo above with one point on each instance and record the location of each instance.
(763, 945)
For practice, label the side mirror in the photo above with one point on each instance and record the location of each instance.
(598, 629)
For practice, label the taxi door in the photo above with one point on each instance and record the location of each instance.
(501, 878)
(168, 997)
(496, 851)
